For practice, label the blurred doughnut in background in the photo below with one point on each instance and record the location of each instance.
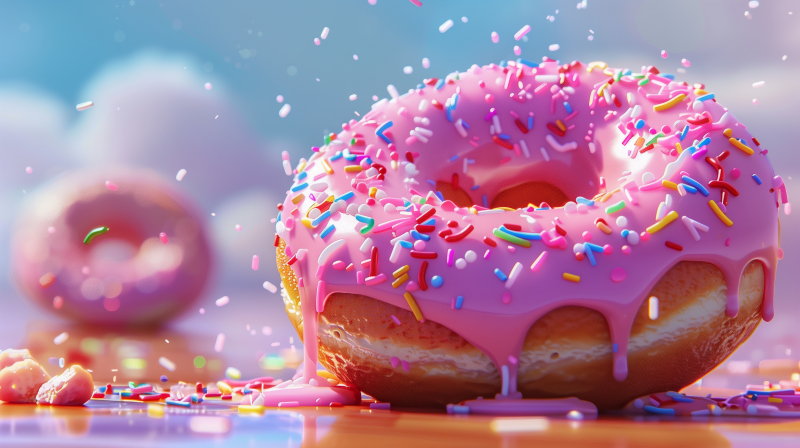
(150, 265)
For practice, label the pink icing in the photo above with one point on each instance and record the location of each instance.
(597, 154)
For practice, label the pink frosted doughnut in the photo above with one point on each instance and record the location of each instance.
(469, 212)
(125, 276)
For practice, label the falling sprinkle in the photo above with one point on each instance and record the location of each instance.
(270, 287)
(29, 170)
(84, 106)
(759, 84)
(416, 2)
(207, 86)
(60, 339)
(426, 63)
(685, 62)
(664, 54)
(353, 97)
(755, 101)
(254, 263)
(495, 37)
(222, 301)
(523, 31)
(408, 69)
(753, 4)
(355, 57)
(279, 98)
(238, 227)
(554, 47)
(179, 176)
(284, 110)
(464, 19)
(220, 343)
(517, 50)
(325, 32)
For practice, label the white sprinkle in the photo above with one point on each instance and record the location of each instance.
(545, 154)
(554, 47)
(60, 339)
(222, 301)
(408, 69)
(88, 104)
(464, 19)
(393, 91)
(270, 287)
(325, 32)
(181, 173)
(653, 308)
(427, 62)
(546, 78)
(166, 363)
(279, 98)
(220, 343)
(285, 110)
(355, 57)
(353, 97)
(445, 26)
(759, 84)
(523, 31)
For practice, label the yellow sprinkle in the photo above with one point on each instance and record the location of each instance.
(301, 166)
(298, 199)
(608, 72)
(327, 165)
(400, 271)
(571, 277)
(591, 98)
(719, 213)
(372, 192)
(700, 92)
(600, 90)
(394, 165)
(250, 408)
(629, 95)
(747, 150)
(774, 400)
(728, 132)
(307, 222)
(678, 147)
(671, 216)
(669, 184)
(604, 228)
(669, 104)
(413, 304)
(561, 125)
(508, 209)
(353, 169)
(224, 388)
(596, 64)
(403, 278)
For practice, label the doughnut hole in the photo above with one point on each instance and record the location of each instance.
(515, 197)
(565, 353)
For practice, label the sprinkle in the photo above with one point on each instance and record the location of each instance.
(399, 280)
(719, 213)
(672, 245)
(459, 302)
(460, 235)
(653, 308)
(523, 31)
(60, 339)
(254, 263)
(423, 269)
(695, 184)
(437, 281)
(537, 264)
(327, 231)
(746, 149)
(514, 274)
(284, 110)
(503, 277)
(270, 287)
(511, 238)
(424, 255)
(414, 308)
(305, 184)
(400, 272)
(693, 226)
(222, 301)
(353, 169)
(669, 104)
(671, 216)
(93, 233)
(615, 207)
(445, 26)
(167, 364)
(757, 179)
(571, 277)
(396, 320)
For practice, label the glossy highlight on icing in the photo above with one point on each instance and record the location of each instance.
(642, 158)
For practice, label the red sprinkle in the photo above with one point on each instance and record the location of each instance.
(292, 260)
(521, 126)
(555, 129)
(561, 231)
(424, 255)
(672, 245)
(424, 217)
(423, 268)
(373, 265)
(277, 241)
(725, 185)
(460, 235)
(514, 227)
(409, 157)
(437, 105)
(489, 241)
(502, 143)
(452, 223)
(724, 155)
(445, 232)
(421, 228)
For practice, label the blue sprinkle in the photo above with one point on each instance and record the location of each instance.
(614, 348)
(705, 142)
(464, 123)
(345, 196)
(327, 231)
(689, 188)
(300, 187)
(625, 233)
(302, 175)
(590, 256)
(530, 122)
(485, 201)
(680, 398)
(440, 196)
(741, 140)
(523, 235)
(503, 64)
(695, 184)
(593, 247)
(321, 218)
(336, 156)
(684, 131)
(406, 244)
(431, 182)
(439, 84)
(406, 202)
(459, 302)
(706, 97)
(279, 217)
(362, 218)
(420, 236)
(500, 275)
(757, 179)
(437, 281)
(420, 86)
(163, 378)
(475, 187)
(455, 101)
(526, 62)
(369, 161)
(385, 126)
(504, 136)
(349, 157)
(567, 107)
(691, 149)
(454, 158)
(639, 123)
(668, 76)
(660, 411)
(627, 72)
(542, 208)
(449, 111)
(583, 200)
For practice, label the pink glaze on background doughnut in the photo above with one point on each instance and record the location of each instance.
(613, 137)
(125, 276)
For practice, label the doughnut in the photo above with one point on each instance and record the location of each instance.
(10, 356)
(20, 382)
(73, 387)
(531, 231)
(149, 265)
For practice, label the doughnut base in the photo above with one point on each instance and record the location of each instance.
(566, 353)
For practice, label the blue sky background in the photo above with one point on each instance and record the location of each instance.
(144, 64)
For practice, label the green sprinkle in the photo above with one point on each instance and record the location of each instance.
(368, 227)
(638, 76)
(93, 233)
(617, 76)
(616, 207)
(644, 81)
(511, 238)
(654, 139)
